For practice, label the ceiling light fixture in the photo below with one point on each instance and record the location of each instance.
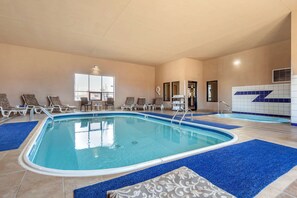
(95, 70)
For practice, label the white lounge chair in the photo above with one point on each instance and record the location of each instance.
(31, 102)
(141, 104)
(158, 103)
(129, 104)
(6, 109)
(55, 102)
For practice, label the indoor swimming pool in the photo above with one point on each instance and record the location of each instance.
(108, 143)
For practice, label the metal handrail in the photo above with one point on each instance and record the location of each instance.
(184, 115)
(47, 113)
(226, 105)
(175, 114)
(43, 110)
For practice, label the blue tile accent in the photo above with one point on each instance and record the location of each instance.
(262, 96)
(262, 114)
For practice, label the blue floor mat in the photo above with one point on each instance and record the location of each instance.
(214, 124)
(12, 135)
(242, 169)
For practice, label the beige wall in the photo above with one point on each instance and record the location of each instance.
(255, 69)
(42, 72)
(182, 70)
(28, 70)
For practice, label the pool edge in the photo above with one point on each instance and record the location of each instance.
(28, 165)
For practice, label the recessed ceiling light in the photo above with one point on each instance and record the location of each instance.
(236, 62)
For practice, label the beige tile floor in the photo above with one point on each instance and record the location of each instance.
(15, 181)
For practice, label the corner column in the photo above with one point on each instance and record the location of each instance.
(294, 68)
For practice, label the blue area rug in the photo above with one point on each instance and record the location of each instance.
(242, 169)
(213, 124)
(12, 135)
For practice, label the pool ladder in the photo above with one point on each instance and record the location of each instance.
(183, 116)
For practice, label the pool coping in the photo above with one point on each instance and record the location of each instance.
(248, 120)
(27, 164)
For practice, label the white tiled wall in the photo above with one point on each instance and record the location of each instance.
(294, 99)
(244, 103)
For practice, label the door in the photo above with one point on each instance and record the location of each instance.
(192, 95)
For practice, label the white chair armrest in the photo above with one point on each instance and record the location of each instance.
(30, 106)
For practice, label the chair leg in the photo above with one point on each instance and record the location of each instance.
(6, 114)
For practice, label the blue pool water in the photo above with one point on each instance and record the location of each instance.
(254, 118)
(104, 142)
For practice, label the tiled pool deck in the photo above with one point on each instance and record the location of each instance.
(15, 181)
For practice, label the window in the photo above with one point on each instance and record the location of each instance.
(166, 91)
(281, 75)
(212, 91)
(93, 87)
(95, 83)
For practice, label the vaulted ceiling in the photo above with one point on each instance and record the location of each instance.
(145, 31)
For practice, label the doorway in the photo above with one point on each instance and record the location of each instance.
(192, 95)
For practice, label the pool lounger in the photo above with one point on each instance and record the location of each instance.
(6, 109)
(179, 182)
(32, 103)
